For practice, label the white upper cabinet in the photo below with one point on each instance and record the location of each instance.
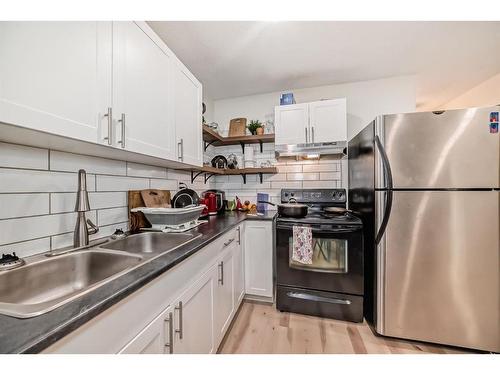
(187, 116)
(328, 120)
(291, 124)
(142, 100)
(56, 76)
(314, 122)
(111, 83)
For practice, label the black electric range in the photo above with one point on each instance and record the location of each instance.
(331, 285)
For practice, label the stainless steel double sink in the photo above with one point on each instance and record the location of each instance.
(48, 281)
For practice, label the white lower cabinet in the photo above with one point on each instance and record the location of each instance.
(193, 318)
(156, 338)
(224, 294)
(239, 267)
(259, 258)
(188, 309)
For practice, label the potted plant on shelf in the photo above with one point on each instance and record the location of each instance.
(255, 127)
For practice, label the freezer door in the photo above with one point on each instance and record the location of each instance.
(454, 149)
(438, 268)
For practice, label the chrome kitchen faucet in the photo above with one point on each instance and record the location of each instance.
(82, 231)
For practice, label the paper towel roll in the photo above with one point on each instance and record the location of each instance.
(249, 153)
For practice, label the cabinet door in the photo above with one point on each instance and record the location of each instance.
(155, 338)
(291, 124)
(224, 295)
(328, 120)
(239, 269)
(187, 116)
(142, 83)
(56, 76)
(259, 259)
(193, 318)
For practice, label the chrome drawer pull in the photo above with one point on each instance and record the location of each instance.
(179, 331)
(170, 344)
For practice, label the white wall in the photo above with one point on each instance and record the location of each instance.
(365, 100)
(209, 113)
(485, 94)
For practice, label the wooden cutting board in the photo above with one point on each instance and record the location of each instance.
(237, 127)
(156, 198)
(137, 220)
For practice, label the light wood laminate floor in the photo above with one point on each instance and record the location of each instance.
(262, 329)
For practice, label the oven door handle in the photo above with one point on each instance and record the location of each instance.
(314, 298)
(344, 229)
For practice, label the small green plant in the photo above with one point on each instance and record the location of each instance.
(253, 126)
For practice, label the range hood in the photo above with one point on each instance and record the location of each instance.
(308, 149)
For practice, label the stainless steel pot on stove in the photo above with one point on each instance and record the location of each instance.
(290, 209)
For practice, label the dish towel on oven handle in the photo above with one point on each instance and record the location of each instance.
(302, 246)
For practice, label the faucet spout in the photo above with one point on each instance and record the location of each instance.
(82, 231)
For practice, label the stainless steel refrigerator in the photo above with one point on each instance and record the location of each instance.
(427, 186)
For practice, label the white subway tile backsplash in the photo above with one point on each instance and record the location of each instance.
(164, 184)
(112, 215)
(302, 176)
(64, 161)
(179, 175)
(65, 202)
(27, 248)
(100, 200)
(20, 205)
(16, 156)
(27, 181)
(320, 184)
(327, 167)
(330, 176)
(35, 186)
(112, 183)
(286, 184)
(141, 170)
(21, 229)
(290, 168)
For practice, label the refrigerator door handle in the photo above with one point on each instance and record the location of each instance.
(388, 189)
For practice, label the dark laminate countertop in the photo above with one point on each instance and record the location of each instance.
(32, 335)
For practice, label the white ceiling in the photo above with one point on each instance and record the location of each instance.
(242, 58)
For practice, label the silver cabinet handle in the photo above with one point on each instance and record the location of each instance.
(109, 115)
(122, 121)
(179, 331)
(226, 244)
(312, 134)
(221, 269)
(180, 150)
(239, 235)
(306, 136)
(170, 344)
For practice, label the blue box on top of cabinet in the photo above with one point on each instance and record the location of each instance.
(287, 98)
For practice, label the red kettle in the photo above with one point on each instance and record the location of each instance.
(211, 203)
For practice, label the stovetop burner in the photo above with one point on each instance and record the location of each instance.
(318, 200)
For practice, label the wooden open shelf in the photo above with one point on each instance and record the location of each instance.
(211, 137)
(243, 172)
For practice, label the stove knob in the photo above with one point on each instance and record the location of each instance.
(286, 194)
(292, 194)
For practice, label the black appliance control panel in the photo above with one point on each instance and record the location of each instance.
(314, 195)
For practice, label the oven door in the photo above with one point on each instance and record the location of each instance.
(337, 260)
